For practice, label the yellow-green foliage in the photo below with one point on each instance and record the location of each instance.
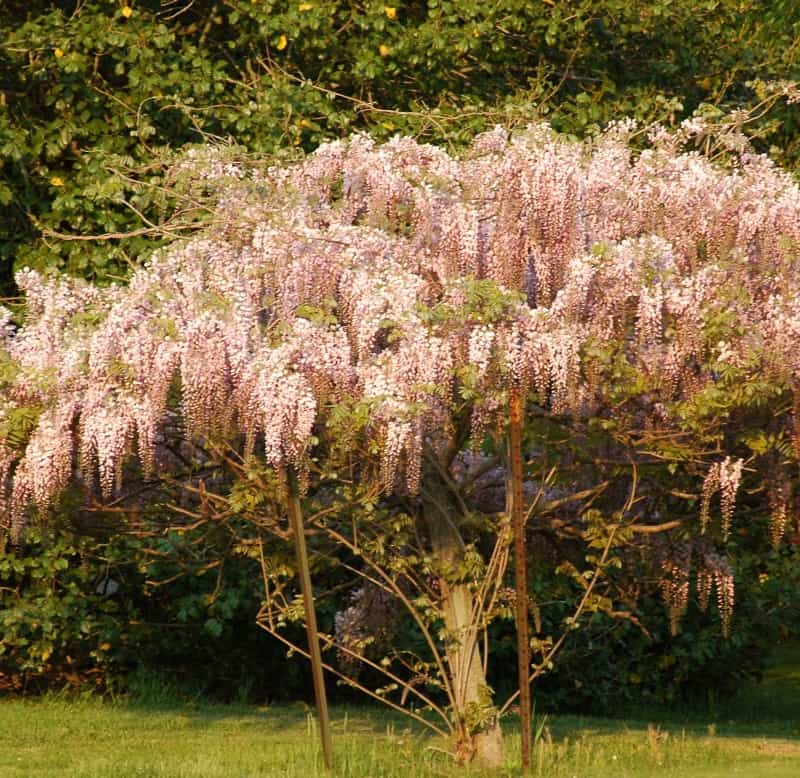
(91, 89)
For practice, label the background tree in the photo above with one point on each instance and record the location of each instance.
(93, 92)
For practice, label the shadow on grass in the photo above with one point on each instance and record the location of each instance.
(768, 710)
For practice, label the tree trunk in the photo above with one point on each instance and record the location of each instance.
(480, 737)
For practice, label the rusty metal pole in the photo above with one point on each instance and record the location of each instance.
(298, 530)
(520, 557)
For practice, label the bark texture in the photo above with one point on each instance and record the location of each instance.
(483, 744)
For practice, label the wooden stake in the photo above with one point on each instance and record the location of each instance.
(298, 529)
(520, 556)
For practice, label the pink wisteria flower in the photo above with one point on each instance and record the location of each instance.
(333, 277)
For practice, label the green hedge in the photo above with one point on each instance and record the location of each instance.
(170, 615)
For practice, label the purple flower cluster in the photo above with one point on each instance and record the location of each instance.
(317, 281)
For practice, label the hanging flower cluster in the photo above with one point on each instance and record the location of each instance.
(401, 276)
(370, 618)
(713, 571)
(723, 477)
(779, 492)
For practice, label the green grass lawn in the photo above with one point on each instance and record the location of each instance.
(755, 734)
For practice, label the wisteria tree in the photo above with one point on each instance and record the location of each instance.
(350, 329)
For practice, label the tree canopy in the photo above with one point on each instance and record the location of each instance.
(406, 279)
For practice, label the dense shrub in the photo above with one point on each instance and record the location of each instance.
(615, 664)
(80, 611)
(58, 627)
(166, 621)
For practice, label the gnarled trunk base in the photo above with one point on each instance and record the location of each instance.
(480, 738)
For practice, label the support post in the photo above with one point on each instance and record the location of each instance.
(298, 530)
(520, 556)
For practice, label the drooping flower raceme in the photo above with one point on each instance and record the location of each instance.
(367, 272)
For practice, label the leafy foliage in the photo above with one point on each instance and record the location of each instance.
(87, 611)
(94, 94)
(58, 627)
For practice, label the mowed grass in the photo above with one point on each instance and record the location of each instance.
(754, 734)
